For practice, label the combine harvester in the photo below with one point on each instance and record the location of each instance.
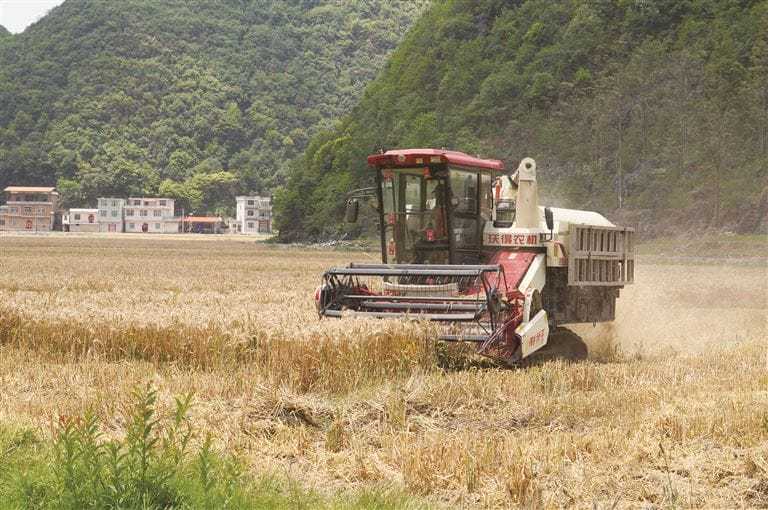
(468, 246)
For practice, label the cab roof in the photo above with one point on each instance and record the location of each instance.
(415, 157)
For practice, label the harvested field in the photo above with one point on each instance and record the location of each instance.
(672, 409)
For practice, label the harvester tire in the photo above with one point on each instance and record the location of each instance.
(562, 344)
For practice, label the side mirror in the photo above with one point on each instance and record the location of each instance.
(353, 210)
(549, 218)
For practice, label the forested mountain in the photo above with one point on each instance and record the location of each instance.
(653, 112)
(4, 32)
(199, 100)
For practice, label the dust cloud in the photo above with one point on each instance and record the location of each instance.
(686, 308)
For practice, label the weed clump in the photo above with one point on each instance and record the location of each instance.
(152, 466)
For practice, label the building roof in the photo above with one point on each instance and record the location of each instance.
(86, 211)
(415, 157)
(202, 219)
(28, 189)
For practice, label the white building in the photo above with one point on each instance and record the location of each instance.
(151, 215)
(80, 220)
(233, 226)
(111, 211)
(254, 215)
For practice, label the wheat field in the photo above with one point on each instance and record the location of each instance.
(671, 410)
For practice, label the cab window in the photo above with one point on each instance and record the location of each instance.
(415, 226)
(465, 217)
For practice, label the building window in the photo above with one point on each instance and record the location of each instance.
(102, 212)
(114, 214)
(14, 210)
(131, 226)
(162, 203)
(250, 225)
(147, 203)
(143, 212)
(129, 212)
(27, 210)
(114, 203)
(157, 226)
(137, 202)
(157, 212)
(77, 217)
(250, 213)
(250, 202)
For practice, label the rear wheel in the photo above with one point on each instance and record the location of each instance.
(562, 344)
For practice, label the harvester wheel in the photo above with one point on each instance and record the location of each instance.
(562, 344)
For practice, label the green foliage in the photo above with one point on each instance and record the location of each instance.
(156, 465)
(70, 193)
(214, 192)
(660, 105)
(121, 97)
(152, 467)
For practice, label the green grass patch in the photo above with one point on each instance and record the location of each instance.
(154, 466)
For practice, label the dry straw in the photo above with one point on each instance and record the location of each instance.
(671, 411)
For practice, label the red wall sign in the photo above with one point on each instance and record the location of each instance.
(494, 239)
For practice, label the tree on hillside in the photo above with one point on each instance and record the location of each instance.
(655, 108)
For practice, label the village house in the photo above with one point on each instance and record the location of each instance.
(203, 224)
(254, 215)
(111, 215)
(27, 208)
(80, 220)
(151, 215)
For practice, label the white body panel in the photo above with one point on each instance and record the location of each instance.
(536, 276)
(518, 237)
(564, 217)
(533, 334)
(527, 215)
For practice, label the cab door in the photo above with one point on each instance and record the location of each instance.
(471, 206)
(415, 228)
